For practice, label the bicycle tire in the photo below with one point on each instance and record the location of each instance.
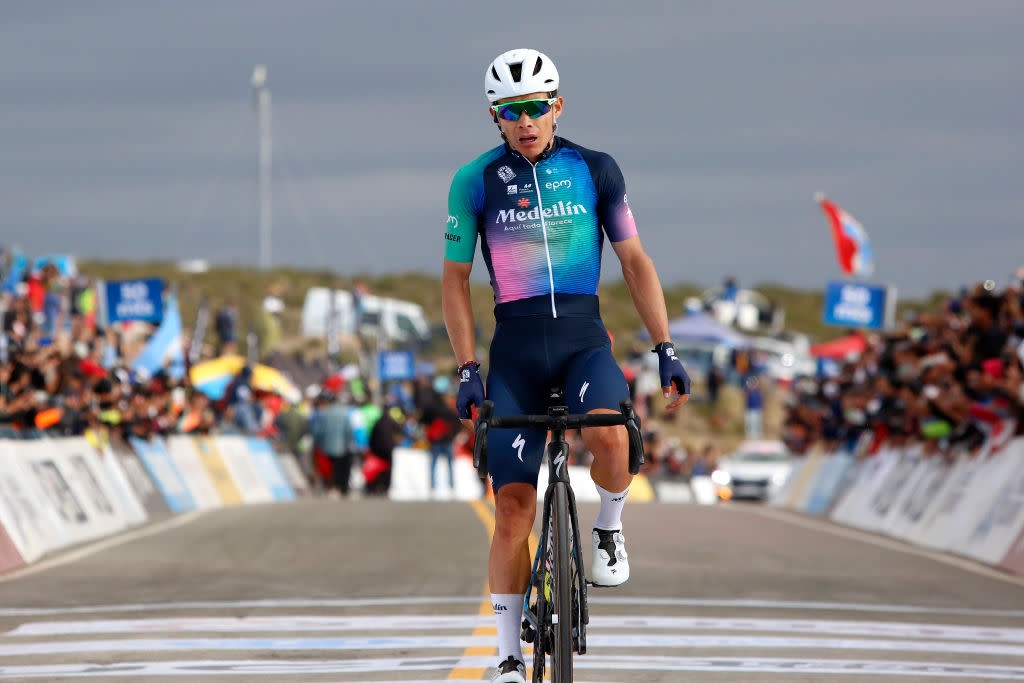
(561, 627)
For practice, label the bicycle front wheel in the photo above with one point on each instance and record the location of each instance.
(562, 617)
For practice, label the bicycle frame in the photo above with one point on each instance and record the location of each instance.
(558, 421)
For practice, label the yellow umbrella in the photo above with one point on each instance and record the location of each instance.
(213, 376)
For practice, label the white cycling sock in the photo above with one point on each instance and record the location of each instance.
(508, 611)
(610, 516)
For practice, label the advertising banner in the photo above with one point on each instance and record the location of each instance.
(185, 456)
(235, 453)
(161, 468)
(32, 526)
(212, 461)
(396, 365)
(270, 471)
(131, 507)
(830, 475)
(859, 305)
(293, 471)
(148, 494)
(134, 300)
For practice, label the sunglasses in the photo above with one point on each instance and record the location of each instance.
(511, 111)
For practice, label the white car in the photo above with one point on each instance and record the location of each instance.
(756, 469)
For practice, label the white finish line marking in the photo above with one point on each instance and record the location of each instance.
(464, 622)
(440, 642)
(735, 665)
(475, 601)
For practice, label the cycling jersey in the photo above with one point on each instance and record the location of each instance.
(539, 225)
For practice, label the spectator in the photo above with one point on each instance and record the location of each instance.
(754, 415)
(441, 425)
(383, 438)
(332, 434)
(225, 324)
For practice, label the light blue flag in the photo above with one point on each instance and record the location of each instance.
(164, 344)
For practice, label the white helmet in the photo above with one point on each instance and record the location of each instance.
(519, 72)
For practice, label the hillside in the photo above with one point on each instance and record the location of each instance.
(248, 287)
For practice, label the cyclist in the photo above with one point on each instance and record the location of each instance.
(540, 206)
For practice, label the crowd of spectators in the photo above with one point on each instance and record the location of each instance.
(945, 378)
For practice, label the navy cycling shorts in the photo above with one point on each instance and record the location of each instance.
(528, 356)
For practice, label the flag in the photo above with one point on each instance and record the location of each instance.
(165, 344)
(196, 346)
(852, 247)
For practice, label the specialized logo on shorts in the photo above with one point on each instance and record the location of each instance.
(512, 189)
(506, 174)
(519, 443)
(583, 390)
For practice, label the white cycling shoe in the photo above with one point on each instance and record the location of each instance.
(610, 566)
(510, 671)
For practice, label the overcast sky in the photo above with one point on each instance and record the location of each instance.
(127, 128)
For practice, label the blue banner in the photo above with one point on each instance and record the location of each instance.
(396, 365)
(267, 465)
(849, 304)
(165, 474)
(135, 300)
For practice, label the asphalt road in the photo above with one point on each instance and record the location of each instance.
(369, 590)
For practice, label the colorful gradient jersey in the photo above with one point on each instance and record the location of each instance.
(540, 227)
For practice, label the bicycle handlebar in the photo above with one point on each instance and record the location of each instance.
(486, 420)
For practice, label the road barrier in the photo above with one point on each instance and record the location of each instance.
(55, 493)
(966, 503)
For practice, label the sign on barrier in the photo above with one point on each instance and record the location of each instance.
(235, 453)
(410, 477)
(291, 468)
(33, 527)
(998, 528)
(830, 474)
(161, 468)
(127, 499)
(185, 456)
(153, 502)
(270, 471)
(218, 471)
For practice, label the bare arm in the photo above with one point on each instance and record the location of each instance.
(457, 309)
(648, 298)
(644, 287)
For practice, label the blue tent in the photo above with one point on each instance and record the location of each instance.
(702, 327)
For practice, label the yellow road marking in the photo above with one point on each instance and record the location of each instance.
(486, 514)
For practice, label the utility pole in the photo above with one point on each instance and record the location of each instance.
(262, 101)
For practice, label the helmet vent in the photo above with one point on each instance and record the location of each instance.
(536, 68)
(494, 73)
(517, 71)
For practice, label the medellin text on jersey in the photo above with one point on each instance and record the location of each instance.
(540, 227)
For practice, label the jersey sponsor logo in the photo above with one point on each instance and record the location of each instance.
(506, 174)
(518, 444)
(453, 222)
(452, 238)
(562, 208)
(625, 202)
(526, 187)
(559, 184)
(523, 203)
(512, 189)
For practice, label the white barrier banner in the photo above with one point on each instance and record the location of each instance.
(410, 477)
(90, 480)
(32, 525)
(235, 453)
(997, 528)
(131, 506)
(852, 507)
(183, 452)
(291, 468)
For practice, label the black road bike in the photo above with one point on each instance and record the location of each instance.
(556, 621)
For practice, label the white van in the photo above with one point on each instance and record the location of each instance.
(398, 321)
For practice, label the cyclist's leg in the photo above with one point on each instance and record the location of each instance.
(514, 458)
(594, 383)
